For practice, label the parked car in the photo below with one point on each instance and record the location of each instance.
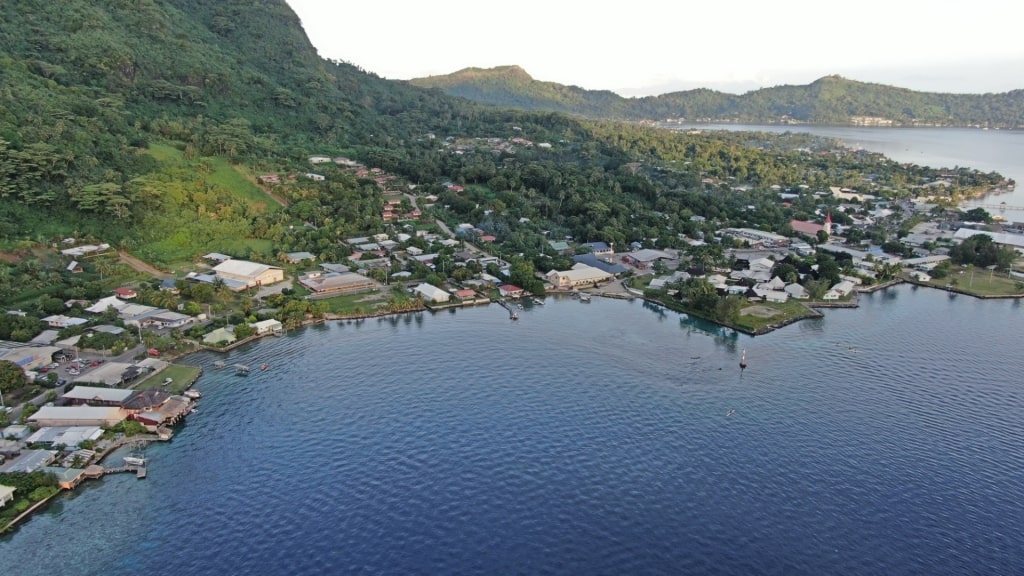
(95, 363)
(53, 365)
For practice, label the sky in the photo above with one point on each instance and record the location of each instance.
(647, 47)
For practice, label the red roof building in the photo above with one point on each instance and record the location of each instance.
(125, 293)
(510, 291)
(802, 227)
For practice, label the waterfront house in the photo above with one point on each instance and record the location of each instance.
(323, 284)
(267, 327)
(510, 291)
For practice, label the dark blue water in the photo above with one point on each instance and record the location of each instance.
(582, 439)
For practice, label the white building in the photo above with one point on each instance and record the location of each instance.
(579, 275)
(249, 273)
(432, 293)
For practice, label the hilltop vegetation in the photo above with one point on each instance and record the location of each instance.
(829, 100)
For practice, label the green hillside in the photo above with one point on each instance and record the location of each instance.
(832, 100)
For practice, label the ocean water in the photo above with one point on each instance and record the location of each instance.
(582, 439)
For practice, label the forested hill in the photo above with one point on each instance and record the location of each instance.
(87, 85)
(831, 100)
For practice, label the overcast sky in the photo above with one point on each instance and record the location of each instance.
(644, 47)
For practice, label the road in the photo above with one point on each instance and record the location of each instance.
(141, 266)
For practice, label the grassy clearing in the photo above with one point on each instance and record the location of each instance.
(784, 313)
(181, 375)
(362, 303)
(980, 282)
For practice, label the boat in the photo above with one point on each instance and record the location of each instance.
(218, 364)
(135, 460)
(743, 360)
(584, 297)
(264, 367)
(538, 301)
(514, 316)
(241, 370)
(167, 381)
(192, 393)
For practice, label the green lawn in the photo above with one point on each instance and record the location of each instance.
(785, 312)
(181, 375)
(355, 303)
(219, 172)
(980, 282)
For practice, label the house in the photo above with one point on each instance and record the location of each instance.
(217, 257)
(169, 285)
(510, 291)
(74, 267)
(578, 275)
(125, 293)
(219, 336)
(298, 257)
(319, 159)
(315, 177)
(431, 293)
(166, 319)
(559, 246)
(796, 291)
(61, 321)
(598, 248)
(776, 296)
(844, 288)
(465, 294)
(6, 495)
(267, 327)
(249, 273)
(762, 265)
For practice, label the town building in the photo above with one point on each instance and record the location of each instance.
(78, 416)
(578, 275)
(328, 283)
(6, 495)
(431, 293)
(249, 273)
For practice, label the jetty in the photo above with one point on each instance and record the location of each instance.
(512, 314)
(96, 471)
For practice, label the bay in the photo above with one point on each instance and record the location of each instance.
(584, 438)
(999, 151)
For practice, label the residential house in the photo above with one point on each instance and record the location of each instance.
(796, 291)
(125, 293)
(510, 291)
(598, 249)
(6, 495)
(61, 321)
(267, 327)
(299, 257)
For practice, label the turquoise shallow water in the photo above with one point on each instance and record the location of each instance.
(584, 438)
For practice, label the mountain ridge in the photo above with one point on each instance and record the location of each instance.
(831, 99)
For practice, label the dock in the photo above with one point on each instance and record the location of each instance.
(512, 314)
(96, 471)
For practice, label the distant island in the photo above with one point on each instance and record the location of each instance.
(829, 100)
